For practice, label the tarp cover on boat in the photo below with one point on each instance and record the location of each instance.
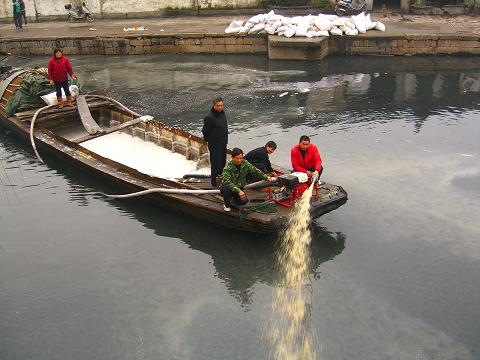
(28, 94)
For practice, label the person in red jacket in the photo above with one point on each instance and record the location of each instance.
(58, 69)
(306, 158)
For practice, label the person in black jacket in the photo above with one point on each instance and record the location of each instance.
(215, 132)
(259, 158)
(22, 10)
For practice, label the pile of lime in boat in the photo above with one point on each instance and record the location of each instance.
(305, 26)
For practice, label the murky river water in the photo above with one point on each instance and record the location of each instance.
(394, 273)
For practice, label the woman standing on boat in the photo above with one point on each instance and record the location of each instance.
(215, 132)
(58, 69)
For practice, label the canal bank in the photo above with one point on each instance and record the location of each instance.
(412, 35)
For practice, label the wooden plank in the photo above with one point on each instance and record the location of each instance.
(30, 113)
(56, 112)
(111, 129)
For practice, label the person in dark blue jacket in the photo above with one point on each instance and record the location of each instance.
(215, 132)
(259, 157)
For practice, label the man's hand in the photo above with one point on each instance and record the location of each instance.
(242, 195)
(74, 77)
(272, 178)
(309, 173)
(51, 82)
(315, 174)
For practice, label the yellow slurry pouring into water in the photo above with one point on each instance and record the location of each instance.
(289, 329)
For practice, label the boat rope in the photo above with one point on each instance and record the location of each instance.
(116, 102)
(32, 124)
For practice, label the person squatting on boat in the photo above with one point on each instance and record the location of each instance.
(234, 178)
(215, 133)
(58, 69)
(306, 158)
(259, 158)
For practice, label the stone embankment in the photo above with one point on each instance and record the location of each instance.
(412, 37)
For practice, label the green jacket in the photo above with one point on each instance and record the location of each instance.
(235, 179)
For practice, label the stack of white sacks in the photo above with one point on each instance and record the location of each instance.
(305, 26)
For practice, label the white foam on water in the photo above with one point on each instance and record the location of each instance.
(144, 156)
(289, 328)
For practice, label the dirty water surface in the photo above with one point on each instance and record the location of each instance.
(393, 274)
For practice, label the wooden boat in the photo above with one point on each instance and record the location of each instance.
(64, 131)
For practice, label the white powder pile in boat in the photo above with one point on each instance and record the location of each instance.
(143, 156)
(289, 328)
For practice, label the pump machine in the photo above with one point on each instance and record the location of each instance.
(291, 187)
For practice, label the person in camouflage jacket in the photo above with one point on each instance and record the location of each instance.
(234, 178)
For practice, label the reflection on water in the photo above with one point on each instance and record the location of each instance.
(367, 90)
(255, 260)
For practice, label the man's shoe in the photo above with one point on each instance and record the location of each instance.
(226, 208)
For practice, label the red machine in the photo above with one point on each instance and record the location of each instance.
(291, 187)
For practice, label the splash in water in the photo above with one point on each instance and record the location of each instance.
(289, 329)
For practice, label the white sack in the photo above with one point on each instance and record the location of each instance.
(339, 22)
(257, 19)
(234, 27)
(233, 30)
(302, 28)
(336, 31)
(257, 28)
(351, 32)
(349, 24)
(276, 18)
(51, 99)
(236, 23)
(290, 32)
(369, 23)
(269, 29)
(380, 26)
(322, 23)
(359, 22)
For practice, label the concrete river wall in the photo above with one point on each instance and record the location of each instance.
(274, 47)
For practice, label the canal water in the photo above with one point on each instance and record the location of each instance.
(393, 274)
